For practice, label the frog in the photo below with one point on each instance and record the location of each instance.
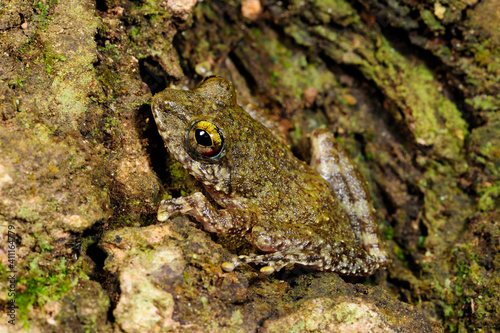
(318, 215)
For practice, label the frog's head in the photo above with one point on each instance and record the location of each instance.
(190, 123)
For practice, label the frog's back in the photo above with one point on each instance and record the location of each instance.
(267, 175)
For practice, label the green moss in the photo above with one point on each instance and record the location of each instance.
(430, 20)
(135, 32)
(50, 58)
(41, 286)
(43, 242)
(43, 8)
(42, 18)
(483, 102)
(489, 199)
(421, 242)
(297, 132)
(389, 233)
(180, 179)
(400, 254)
(28, 213)
(340, 12)
(17, 82)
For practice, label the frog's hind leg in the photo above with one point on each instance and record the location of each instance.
(308, 247)
(333, 164)
(341, 258)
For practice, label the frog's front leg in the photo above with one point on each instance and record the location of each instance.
(197, 205)
(334, 165)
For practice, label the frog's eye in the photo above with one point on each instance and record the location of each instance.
(204, 141)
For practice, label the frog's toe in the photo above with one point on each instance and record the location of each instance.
(228, 266)
(267, 270)
(165, 210)
(162, 215)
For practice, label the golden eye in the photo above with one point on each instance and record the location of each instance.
(204, 141)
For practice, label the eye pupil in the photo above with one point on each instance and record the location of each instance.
(203, 138)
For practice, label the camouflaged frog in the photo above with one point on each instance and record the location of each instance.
(317, 216)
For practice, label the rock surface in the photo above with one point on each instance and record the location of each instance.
(410, 90)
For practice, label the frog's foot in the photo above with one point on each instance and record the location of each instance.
(181, 205)
(271, 266)
(274, 262)
(201, 209)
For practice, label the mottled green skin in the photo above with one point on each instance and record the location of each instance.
(279, 203)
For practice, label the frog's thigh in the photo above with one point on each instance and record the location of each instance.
(333, 164)
(201, 209)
